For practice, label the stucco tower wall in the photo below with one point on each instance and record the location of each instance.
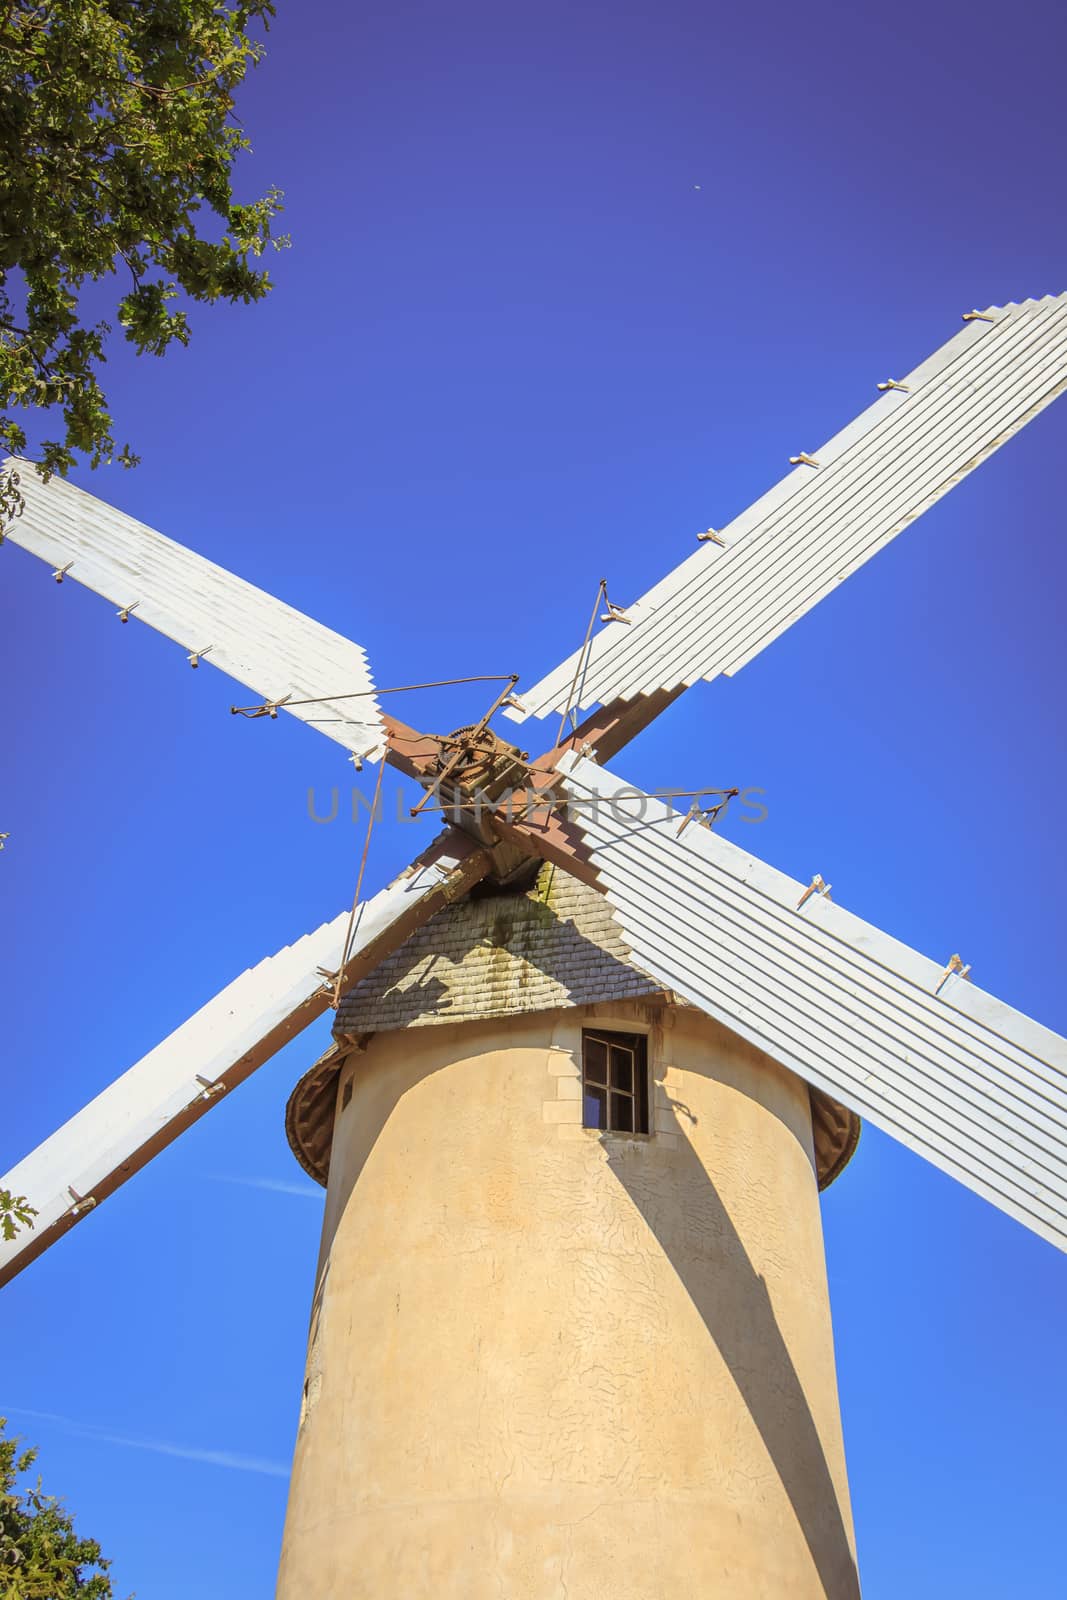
(547, 1362)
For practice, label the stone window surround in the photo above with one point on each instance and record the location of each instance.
(562, 1108)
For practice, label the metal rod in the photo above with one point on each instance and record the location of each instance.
(585, 800)
(602, 591)
(359, 885)
(401, 688)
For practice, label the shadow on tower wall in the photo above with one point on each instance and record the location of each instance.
(745, 1331)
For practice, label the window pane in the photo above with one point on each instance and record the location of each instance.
(594, 1107)
(622, 1113)
(622, 1069)
(615, 1086)
(596, 1061)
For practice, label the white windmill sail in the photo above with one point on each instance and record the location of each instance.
(954, 1074)
(222, 1044)
(274, 650)
(838, 507)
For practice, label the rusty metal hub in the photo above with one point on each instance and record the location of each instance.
(475, 762)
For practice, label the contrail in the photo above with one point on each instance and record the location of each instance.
(276, 1185)
(161, 1447)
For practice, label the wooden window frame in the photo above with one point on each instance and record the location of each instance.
(615, 1086)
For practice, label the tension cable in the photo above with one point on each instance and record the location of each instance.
(359, 885)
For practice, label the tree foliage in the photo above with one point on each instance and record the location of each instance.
(41, 1556)
(15, 1213)
(117, 146)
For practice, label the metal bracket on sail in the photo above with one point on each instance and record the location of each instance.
(817, 886)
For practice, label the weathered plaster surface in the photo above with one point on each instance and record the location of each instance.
(548, 1363)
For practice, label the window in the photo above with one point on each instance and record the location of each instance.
(614, 1081)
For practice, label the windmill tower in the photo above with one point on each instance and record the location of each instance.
(591, 1064)
(551, 1354)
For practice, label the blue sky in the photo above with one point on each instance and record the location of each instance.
(566, 286)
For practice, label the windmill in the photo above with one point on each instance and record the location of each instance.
(689, 1110)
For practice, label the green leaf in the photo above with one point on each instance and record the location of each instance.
(117, 148)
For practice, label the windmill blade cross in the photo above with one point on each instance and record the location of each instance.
(245, 1024)
(956, 1075)
(966, 1081)
(840, 505)
(218, 618)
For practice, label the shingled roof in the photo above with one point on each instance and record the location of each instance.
(496, 955)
